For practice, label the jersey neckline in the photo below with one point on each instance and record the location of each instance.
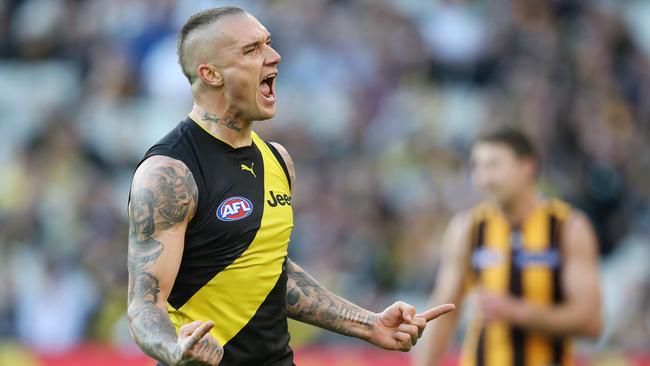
(225, 144)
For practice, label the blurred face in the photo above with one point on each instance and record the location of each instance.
(249, 66)
(499, 173)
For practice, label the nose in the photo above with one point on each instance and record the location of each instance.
(273, 57)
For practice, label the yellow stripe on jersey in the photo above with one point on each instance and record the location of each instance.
(537, 283)
(233, 296)
(495, 279)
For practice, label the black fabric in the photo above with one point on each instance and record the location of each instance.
(558, 347)
(479, 242)
(249, 347)
(517, 334)
(211, 244)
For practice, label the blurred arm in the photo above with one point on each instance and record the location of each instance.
(163, 198)
(580, 313)
(448, 288)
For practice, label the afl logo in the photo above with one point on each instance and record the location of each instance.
(234, 208)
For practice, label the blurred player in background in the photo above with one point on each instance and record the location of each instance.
(211, 216)
(531, 263)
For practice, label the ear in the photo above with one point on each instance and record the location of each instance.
(210, 74)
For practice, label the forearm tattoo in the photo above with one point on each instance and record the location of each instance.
(163, 204)
(309, 302)
(151, 327)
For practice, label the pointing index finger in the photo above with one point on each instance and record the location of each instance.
(436, 312)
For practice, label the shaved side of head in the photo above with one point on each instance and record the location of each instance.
(192, 46)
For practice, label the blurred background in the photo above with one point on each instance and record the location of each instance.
(379, 101)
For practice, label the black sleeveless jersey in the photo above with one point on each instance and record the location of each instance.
(233, 269)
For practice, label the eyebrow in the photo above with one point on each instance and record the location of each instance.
(258, 42)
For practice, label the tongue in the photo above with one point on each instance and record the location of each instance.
(265, 89)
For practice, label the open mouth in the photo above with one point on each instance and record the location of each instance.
(267, 87)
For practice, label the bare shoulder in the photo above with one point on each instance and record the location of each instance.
(462, 220)
(578, 218)
(578, 234)
(457, 237)
(158, 166)
(169, 184)
(287, 160)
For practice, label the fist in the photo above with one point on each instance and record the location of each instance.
(495, 307)
(399, 327)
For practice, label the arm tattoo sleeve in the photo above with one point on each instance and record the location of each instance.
(150, 326)
(163, 204)
(175, 194)
(143, 249)
(309, 302)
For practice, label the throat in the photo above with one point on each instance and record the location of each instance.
(234, 132)
(519, 210)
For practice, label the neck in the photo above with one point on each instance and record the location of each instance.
(223, 125)
(519, 208)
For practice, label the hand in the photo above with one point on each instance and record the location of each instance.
(496, 307)
(399, 327)
(196, 346)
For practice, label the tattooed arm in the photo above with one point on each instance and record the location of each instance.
(309, 302)
(163, 200)
(396, 328)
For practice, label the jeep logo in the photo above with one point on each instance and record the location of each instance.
(279, 199)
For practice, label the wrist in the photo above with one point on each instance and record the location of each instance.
(175, 356)
(365, 330)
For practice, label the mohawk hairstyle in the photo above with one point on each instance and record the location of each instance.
(195, 22)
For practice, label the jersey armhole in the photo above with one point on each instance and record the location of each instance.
(280, 160)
